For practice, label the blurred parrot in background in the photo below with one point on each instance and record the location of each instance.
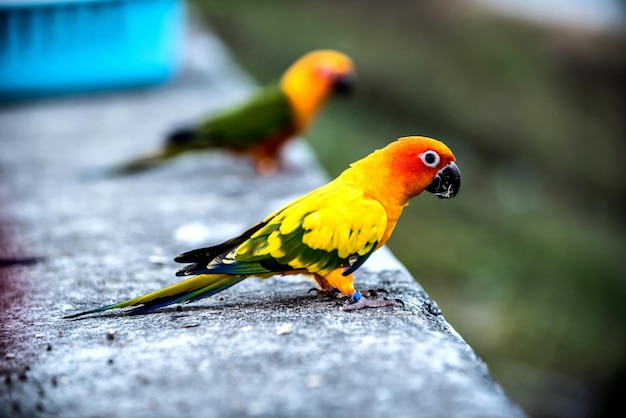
(327, 233)
(260, 127)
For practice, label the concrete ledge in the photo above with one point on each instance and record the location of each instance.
(263, 349)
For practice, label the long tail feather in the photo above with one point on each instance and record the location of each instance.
(143, 163)
(134, 166)
(195, 288)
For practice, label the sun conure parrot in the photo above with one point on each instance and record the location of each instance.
(327, 233)
(260, 127)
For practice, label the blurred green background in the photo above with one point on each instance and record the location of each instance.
(528, 262)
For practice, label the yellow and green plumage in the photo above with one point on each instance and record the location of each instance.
(260, 127)
(327, 233)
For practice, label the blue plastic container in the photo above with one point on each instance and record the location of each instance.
(68, 46)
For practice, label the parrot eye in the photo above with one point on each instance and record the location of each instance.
(430, 158)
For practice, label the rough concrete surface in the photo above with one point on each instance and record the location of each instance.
(266, 349)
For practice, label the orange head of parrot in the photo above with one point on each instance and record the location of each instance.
(313, 78)
(407, 167)
(425, 164)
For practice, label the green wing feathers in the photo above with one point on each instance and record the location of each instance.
(308, 235)
(311, 234)
(266, 115)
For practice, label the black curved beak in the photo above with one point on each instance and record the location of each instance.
(344, 85)
(447, 182)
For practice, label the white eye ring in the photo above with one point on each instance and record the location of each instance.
(430, 158)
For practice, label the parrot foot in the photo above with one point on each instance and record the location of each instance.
(357, 301)
(267, 166)
(332, 293)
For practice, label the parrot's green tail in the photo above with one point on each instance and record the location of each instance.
(134, 166)
(144, 162)
(198, 287)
